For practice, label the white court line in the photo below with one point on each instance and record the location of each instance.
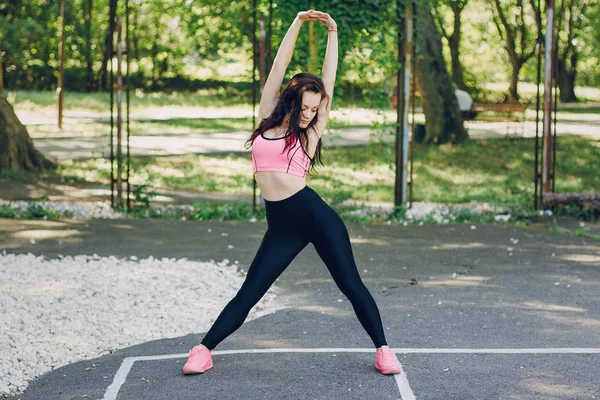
(401, 379)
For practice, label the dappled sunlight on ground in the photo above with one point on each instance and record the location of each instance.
(538, 305)
(373, 241)
(550, 307)
(568, 320)
(549, 389)
(277, 344)
(45, 234)
(592, 259)
(460, 281)
(453, 246)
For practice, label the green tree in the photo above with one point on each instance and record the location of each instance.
(516, 27)
(443, 120)
(571, 18)
(454, 36)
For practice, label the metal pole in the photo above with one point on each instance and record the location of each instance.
(1, 73)
(270, 37)
(400, 125)
(536, 162)
(261, 51)
(406, 101)
(112, 120)
(61, 64)
(555, 77)
(546, 144)
(253, 90)
(413, 101)
(119, 112)
(127, 90)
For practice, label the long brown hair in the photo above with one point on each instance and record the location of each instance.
(290, 104)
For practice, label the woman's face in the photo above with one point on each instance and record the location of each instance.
(310, 105)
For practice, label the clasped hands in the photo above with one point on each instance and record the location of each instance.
(313, 15)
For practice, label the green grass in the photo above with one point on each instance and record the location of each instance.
(497, 171)
(177, 126)
(33, 100)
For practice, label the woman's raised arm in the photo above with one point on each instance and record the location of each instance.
(281, 62)
(328, 73)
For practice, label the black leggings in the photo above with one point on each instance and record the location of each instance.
(293, 223)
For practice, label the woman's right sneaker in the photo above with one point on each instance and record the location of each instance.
(200, 360)
(386, 361)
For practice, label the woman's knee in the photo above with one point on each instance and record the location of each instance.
(353, 290)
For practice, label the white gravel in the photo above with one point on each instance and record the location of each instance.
(419, 212)
(56, 312)
(70, 209)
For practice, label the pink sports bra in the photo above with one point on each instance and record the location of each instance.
(268, 155)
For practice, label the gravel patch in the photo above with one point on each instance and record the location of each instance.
(68, 209)
(419, 213)
(59, 311)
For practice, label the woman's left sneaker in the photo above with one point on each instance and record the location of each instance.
(386, 361)
(200, 360)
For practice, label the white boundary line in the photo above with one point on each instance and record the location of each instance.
(406, 392)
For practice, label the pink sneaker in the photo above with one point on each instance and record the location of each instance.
(386, 362)
(200, 360)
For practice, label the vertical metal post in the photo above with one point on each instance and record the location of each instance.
(261, 54)
(253, 90)
(546, 143)
(406, 100)
(111, 53)
(127, 90)
(270, 37)
(555, 104)
(400, 16)
(119, 112)
(536, 162)
(1, 73)
(413, 99)
(61, 64)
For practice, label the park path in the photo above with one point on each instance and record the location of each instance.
(228, 142)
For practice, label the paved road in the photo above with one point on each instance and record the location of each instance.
(83, 148)
(514, 325)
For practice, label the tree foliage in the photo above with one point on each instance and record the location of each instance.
(172, 40)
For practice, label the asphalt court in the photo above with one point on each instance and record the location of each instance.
(347, 373)
(468, 318)
(260, 373)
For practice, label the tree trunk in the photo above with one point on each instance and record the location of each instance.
(1, 73)
(442, 115)
(457, 68)
(108, 45)
(454, 42)
(513, 93)
(566, 83)
(16, 149)
(88, 47)
(154, 56)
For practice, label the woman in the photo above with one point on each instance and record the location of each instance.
(286, 144)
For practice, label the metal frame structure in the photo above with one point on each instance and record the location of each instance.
(405, 93)
(545, 174)
(116, 182)
(262, 51)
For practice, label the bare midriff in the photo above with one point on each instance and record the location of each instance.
(276, 186)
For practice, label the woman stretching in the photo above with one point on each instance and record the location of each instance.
(286, 144)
